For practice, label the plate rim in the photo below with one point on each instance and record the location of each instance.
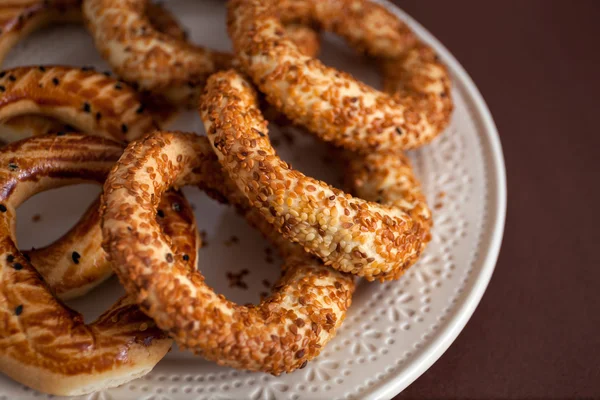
(491, 239)
(488, 243)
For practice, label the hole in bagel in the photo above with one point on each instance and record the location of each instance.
(47, 216)
(337, 54)
(235, 259)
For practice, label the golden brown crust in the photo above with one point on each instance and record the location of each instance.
(156, 61)
(280, 334)
(387, 178)
(43, 344)
(70, 277)
(350, 234)
(19, 18)
(87, 100)
(140, 54)
(330, 103)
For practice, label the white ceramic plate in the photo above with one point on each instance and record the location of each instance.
(394, 331)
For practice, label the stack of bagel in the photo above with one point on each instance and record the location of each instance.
(67, 125)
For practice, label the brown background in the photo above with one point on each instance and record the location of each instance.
(536, 332)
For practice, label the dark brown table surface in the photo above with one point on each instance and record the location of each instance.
(536, 332)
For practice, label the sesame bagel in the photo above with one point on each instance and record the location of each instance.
(44, 344)
(20, 18)
(365, 238)
(280, 334)
(157, 62)
(332, 104)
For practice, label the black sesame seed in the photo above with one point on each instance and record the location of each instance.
(12, 78)
(18, 266)
(10, 258)
(124, 128)
(26, 256)
(107, 73)
(19, 310)
(87, 68)
(42, 68)
(3, 208)
(2, 88)
(76, 256)
(55, 81)
(186, 257)
(169, 257)
(443, 94)
(61, 133)
(2, 74)
(140, 109)
(160, 213)
(98, 116)
(86, 107)
(399, 131)
(176, 207)
(13, 166)
(118, 86)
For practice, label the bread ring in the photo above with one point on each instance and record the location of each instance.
(43, 344)
(333, 104)
(156, 62)
(22, 101)
(279, 335)
(92, 102)
(350, 234)
(19, 18)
